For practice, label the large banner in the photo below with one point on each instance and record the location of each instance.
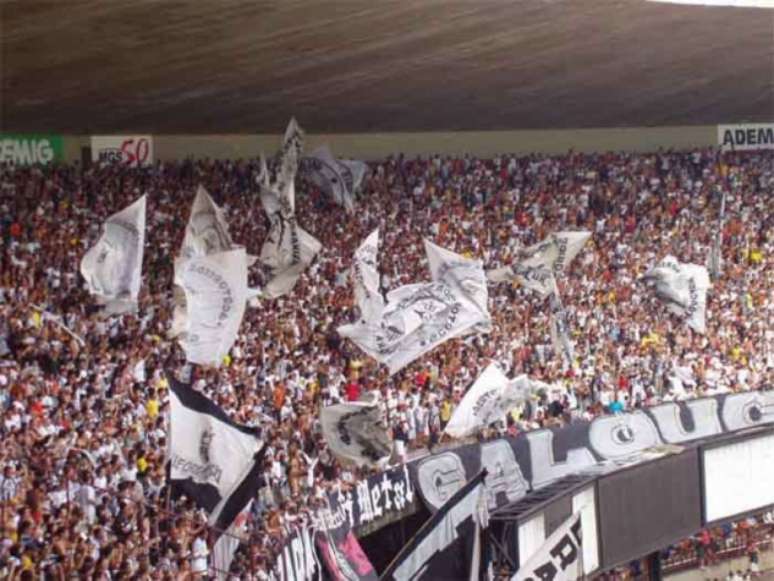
(560, 558)
(22, 149)
(535, 459)
(329, 542)
(746, 136)
(446, 547)
(131, 150)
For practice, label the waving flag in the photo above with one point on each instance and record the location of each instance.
(488, 400)
(419, 317)
(213, 460)
(537, 265)
(215, 288)
(288, 250)
(355, 432)
(683, 289)
(339, 178)
(113, 266)
(206, 233)
(366, 278)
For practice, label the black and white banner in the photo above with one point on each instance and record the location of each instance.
(746, 136)
(535, 459)
(683, 289)
(213, 460)
(385, 496)
(446, 547)
(355, 433)
(560, 558)
(215, 288)
(112, 267)
(419, 317)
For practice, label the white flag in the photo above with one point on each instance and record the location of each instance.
(559, 558)
(715, 261)
(366, 278)
(225, 547)
(113, 266)
(207, 229)
(465, 275)
(560, 331)
(358, 169)
(480, 406)
(213, 460)
(419, 317)
(332, 176)
(683, 289)
(536, 266)
(292, 146)
(288, 249)
(354, 431)
(215, 289)
(488, 400)
(206, 233)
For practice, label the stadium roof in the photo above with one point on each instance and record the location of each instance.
(245, 66)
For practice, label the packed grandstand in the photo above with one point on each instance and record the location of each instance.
(85, 431)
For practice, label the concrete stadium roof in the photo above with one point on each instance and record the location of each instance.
(245, 66)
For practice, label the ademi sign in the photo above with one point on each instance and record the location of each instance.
(21, 149)
(746, 136)
(131, 150)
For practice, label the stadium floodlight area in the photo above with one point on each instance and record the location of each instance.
(732, 3)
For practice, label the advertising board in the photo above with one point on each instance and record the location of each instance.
(738, 477)
(131, 150)
(29, 149)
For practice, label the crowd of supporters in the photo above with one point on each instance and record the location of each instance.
(83, 433)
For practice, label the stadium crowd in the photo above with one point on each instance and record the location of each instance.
(83, 433)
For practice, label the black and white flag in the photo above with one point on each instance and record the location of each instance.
(560, 331)
(536, 266)
(683, 289)
(213, 460)
(339, 178)
(290, 154)
(215, 288)
(560, 558)
(447, 546)
(288, 249)
(488, 400)
(355, 432)
(365, 277)
(207, 230)
(715, 262)
(226, 545)
(205, 234)
(419, 317)
(112, 267)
